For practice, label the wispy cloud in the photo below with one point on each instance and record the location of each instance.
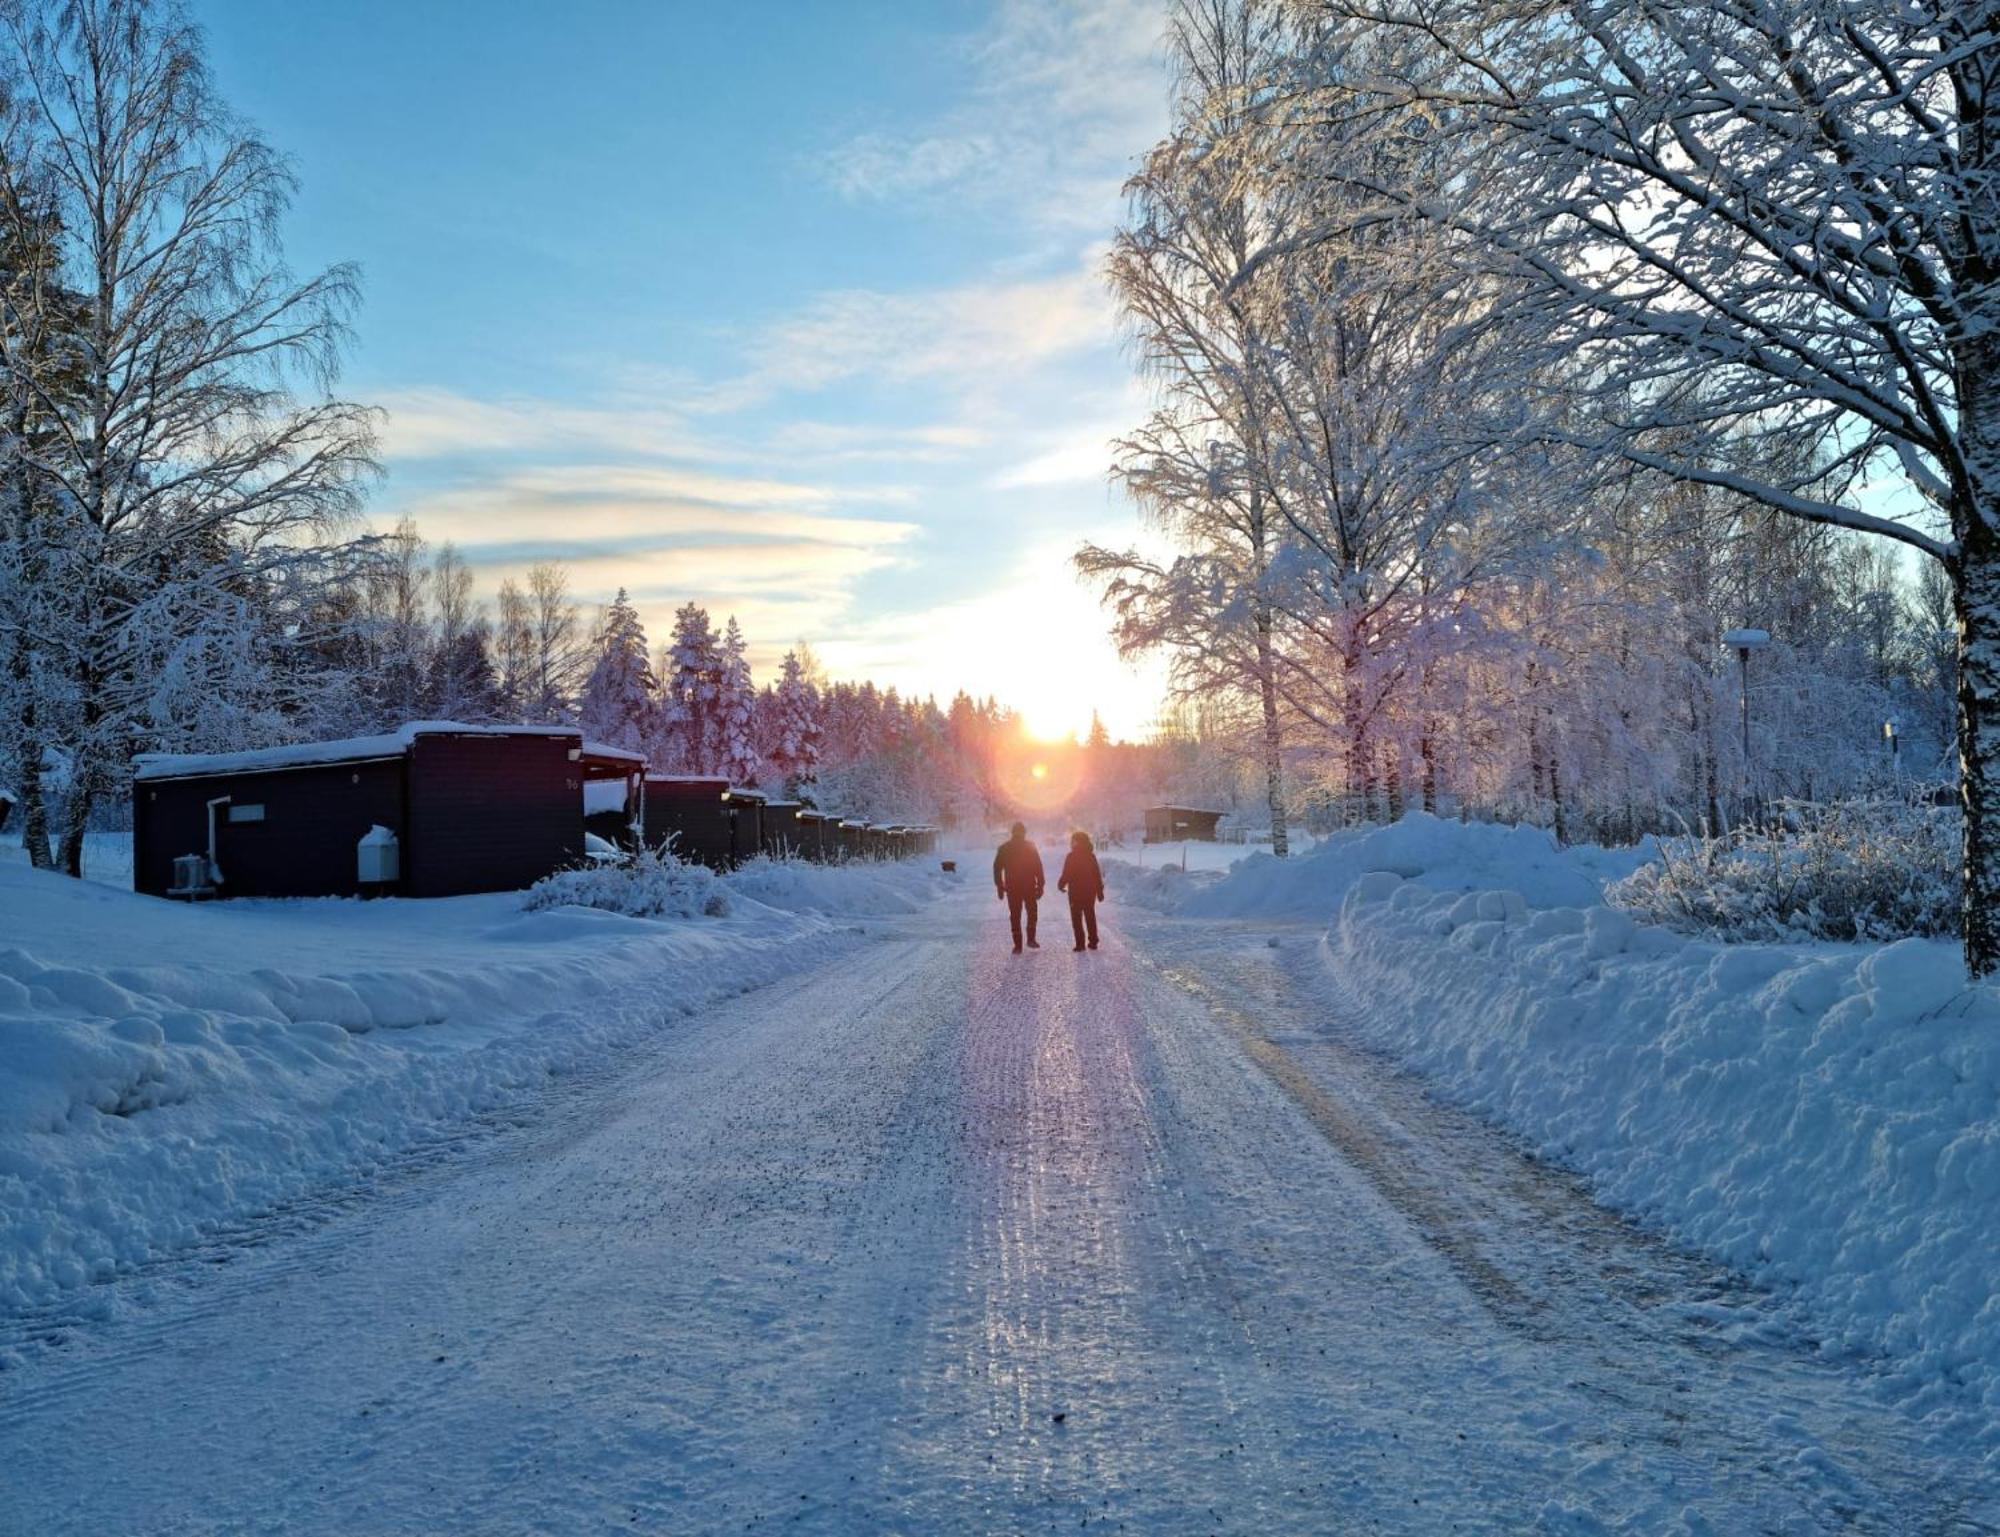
(1068, 93)
(963, 336)
(879, 165)
(780, 555)
(435, 423)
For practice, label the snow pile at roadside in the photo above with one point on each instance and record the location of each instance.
(1448, 856)
(166, 1071)
(1161, 889)
(1825, 1117)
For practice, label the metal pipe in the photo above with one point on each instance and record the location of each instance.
(214, 869)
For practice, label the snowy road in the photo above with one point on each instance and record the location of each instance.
(938, 1239)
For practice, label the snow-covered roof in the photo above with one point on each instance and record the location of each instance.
(687, 779)
(606, 750)
(1199, 811)
(738, 793)
(354, 749)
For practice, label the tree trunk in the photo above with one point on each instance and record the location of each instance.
(1427, 751)
(1976, 599)
(1393, 782)
(1556, 801)
(76, 820)
(1274, 760)
(34, 806)
(1976, 517)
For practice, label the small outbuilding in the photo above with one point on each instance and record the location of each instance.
(436, 809)
(853, 839)
(781, 829)
(818, 834)
(691, 813)
(1174, 824)
(746, 823)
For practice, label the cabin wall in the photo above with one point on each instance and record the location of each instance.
(695, 817)
(303, 847)
(490, 813)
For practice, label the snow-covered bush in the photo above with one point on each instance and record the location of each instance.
(649, 884)
(1873, 869)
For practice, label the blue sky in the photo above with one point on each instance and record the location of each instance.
(792, 309)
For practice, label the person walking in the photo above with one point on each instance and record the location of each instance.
(1018, 879)
(1083, 878)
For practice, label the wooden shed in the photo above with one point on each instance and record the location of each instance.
(853, 840)
(746, 823)
(781, 829)
(692, 812)
(1173, 824)
(818, 835)
(442, 809)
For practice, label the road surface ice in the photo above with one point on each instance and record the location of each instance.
(934, 1239)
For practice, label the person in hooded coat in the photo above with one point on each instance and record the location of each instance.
(1018, 878)
(1083, 879)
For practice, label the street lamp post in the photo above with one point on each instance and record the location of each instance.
(1895, 744)
(1744, 642)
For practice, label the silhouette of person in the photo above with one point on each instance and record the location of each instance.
(1083, 879)
(1018, 878)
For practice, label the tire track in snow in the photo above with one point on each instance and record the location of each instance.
(1641, 1324)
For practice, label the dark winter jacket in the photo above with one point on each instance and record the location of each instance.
(1082, 878)
(1018, 868)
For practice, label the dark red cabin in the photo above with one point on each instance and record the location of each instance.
(691, 812)
(463, 809)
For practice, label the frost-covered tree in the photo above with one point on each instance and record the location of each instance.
(193, 458)
(514, 651)
(792, 744)
(1194, 466)
(1769, 224)
(558, 653)
(736, 710)
(690, 725)
(450, 667)
(620, 705)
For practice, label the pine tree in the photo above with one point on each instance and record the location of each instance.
(689, 725)
(618, 706)
(794, 743)
(736, 710)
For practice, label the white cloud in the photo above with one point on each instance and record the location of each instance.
(1067, 94)
(836, 442)
(964, 336)
(778, 555)
(877, 165)
(436, 423)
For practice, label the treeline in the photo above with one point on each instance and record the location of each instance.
(1443, 532)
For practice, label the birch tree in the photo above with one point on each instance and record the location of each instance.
(1770, 222)
(196, 455)
(1193, 466)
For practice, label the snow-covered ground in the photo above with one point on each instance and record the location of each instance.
(167, 1070)
(401, 1208)
(1823, 1117)
(107, 856)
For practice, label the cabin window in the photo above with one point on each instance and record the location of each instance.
(243, 813)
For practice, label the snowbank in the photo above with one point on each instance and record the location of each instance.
(1825, 1117)
(166, 1071)
(1450, 856)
